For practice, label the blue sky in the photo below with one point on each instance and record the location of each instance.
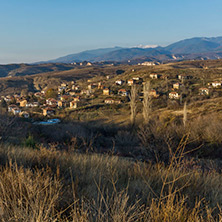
(34, 30)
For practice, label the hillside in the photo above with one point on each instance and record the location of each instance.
(92, 163)
(26, 69)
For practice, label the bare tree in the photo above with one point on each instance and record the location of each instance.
(146, 102)
(185, 114)
(133, 103)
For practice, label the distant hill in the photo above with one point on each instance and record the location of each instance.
(196, 45)
(88, 55)
(26, 69)
(194, 48)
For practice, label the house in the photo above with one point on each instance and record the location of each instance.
(204, 91)
(154, 93)
(137, 79)
(74, 104)
(155, 76)
(8, 98)
(176, 85)
(216, 84)
(11, 107)
(123, 92)
(109, 101)
(51, 102)
(23, 103)
(32, 104)
(48, 111)
(112, 101)
(174, 95)
(92, 86)
(131, 82)
(85, 91)
(65, 98)
(61, 104)
(72, 93)
(76, 99)
(117, 101)
(16, 110)
(24, 114)
(184, 76)
(106, 91)
(119, 82)
(75, 87)
(101, 86)
(147, 63)
(64, 85)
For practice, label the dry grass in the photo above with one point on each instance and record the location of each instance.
(49, 185)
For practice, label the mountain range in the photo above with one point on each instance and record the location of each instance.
(194, 48)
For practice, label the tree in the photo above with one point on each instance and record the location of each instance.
(133, 103)
(147, 100)
(51, 93)
(185, 114)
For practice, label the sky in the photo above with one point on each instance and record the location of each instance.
(37, 30)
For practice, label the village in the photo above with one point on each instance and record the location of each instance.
(107, 90)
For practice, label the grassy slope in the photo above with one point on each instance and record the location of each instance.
(102, 188)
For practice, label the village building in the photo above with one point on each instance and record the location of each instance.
(47, 111)
(61, 104)
(23, 103)
(100, 86)
(65, 98)
(137, 79)
(112, 101)
(123, 92)
(85, 91)
(155, 76)
(176, 85)
(92, 86)
(204, 91)
(109, 101)
(147, 63)
(174, 95)
(75, 87)
(8, 98)
(32, 104)
(76, 99)
(153, 93)
(131, 82)
(117, 101)
(11, 107)
(119, 82)
(184, 76)
(106, 91)
(16, 110)
(51, 102)
(216, 84)
(74, 104)
(89, 64)
(64, 85)
(72, 93)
